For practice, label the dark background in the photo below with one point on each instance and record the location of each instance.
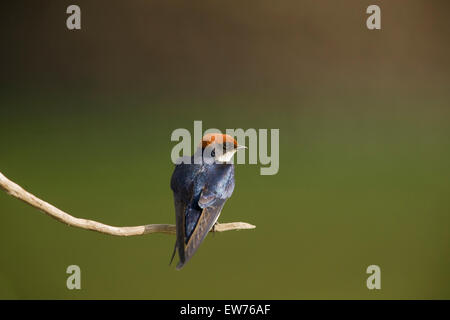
(85, 124)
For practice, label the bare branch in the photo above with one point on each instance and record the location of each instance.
(18, 192)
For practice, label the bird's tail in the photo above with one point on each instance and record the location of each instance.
(180, 264)
(173, 253)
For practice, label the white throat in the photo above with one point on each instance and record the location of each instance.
(226, 157)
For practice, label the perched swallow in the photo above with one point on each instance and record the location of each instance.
(200, 190)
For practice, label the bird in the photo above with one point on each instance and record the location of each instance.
(201, 185)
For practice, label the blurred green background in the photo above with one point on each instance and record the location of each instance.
(85, 124)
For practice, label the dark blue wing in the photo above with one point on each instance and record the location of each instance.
(182, 185)
(217, 188)
(200, 192)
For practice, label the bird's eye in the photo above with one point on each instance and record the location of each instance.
(213, 153)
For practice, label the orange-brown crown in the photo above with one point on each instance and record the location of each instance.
(217, 138)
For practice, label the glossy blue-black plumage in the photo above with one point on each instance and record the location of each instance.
(200, 192)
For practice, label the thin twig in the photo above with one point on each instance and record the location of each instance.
(18, 192)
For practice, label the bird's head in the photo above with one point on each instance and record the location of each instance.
(219, 146)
